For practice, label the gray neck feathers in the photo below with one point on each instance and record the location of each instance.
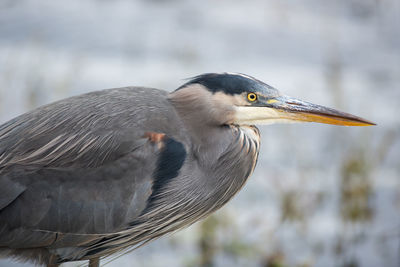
(201, 111)
(229, 171)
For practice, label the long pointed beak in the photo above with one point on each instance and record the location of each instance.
(292, 109)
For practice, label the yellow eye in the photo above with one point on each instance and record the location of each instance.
(251, 97)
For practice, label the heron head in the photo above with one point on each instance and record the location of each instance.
(243, 100)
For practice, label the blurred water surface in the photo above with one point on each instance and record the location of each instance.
(320, 195)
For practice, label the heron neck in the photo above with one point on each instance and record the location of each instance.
(202, 117)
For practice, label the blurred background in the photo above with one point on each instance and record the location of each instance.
(320, 195)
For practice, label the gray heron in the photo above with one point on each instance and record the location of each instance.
(99, 173)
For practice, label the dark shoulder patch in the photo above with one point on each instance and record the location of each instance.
(169, 163)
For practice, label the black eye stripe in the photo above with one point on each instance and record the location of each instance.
(232, 84)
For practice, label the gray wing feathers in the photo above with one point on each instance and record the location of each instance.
(79, 166)
(81, 201)
(9, 191)
(71, 131)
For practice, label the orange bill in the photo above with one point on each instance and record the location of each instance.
(297, 110)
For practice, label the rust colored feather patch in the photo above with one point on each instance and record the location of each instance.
(156, 138)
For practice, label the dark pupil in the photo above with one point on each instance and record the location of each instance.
(252, 96)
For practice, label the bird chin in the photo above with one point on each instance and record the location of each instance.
(261, 116)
